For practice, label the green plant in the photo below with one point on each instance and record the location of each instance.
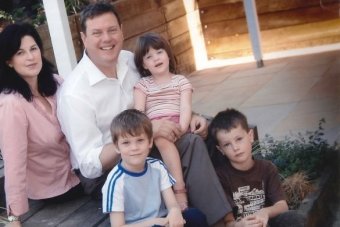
(74, 6)
(36, 17)
(19, 14)
(40, 17)
(307, 152)
(4, 16)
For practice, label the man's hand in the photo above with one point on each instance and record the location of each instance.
(199, 126)
(166, 129)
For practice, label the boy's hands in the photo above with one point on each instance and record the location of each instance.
(175, 218)
(160, 221)
(263, 216)
(250, 221)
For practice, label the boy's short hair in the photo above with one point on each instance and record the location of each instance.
(227, 120)
(132, 122)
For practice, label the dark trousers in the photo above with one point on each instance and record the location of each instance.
(204, 189)
(93, 186)
(194, 218)
(74, 193)
(290, 218)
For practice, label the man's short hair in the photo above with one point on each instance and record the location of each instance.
(130, 122)
(96, 9)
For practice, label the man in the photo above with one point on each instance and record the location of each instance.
(100, 87)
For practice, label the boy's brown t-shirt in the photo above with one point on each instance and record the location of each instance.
(249, 191)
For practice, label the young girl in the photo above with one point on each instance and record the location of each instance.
(162, 93)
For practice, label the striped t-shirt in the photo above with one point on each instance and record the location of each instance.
(138, 195)
(163, 100)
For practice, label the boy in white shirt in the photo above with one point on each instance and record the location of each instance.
(138, 191)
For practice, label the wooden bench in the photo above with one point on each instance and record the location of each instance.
(83, 212)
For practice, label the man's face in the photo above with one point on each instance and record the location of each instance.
(103, 39)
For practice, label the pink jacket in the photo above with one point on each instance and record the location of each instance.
(35, 152)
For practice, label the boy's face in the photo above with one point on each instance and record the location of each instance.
(134, 150)
(237, 146)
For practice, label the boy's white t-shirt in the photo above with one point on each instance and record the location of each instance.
(138, 195)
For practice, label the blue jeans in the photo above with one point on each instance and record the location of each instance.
(194, 218)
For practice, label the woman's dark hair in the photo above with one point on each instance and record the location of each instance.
(10, 80)
(155, 41)
(94, 10)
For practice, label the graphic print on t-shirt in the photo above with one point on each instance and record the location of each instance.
(248, 200)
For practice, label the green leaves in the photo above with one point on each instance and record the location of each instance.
(307, 152)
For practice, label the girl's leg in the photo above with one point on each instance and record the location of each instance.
(172, 160)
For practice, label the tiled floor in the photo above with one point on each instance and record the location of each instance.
(285, 96)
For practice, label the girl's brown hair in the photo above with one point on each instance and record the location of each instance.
(155, 41)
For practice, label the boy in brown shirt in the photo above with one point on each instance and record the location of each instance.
(252, 187)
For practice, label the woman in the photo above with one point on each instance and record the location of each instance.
(35, 151)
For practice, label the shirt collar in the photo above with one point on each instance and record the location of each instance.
(96, 75)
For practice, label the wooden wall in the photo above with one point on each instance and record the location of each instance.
(284, 24)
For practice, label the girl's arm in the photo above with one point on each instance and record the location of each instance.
(185, 110)
(139, 99)
(117, 219)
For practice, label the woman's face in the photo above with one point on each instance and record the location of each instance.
(27, 61)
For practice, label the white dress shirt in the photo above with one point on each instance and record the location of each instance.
(87, 103)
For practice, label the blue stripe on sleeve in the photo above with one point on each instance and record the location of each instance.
(111, 187)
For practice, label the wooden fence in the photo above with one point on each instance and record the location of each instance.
(284, 25)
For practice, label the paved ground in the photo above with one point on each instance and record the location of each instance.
(286, 95)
